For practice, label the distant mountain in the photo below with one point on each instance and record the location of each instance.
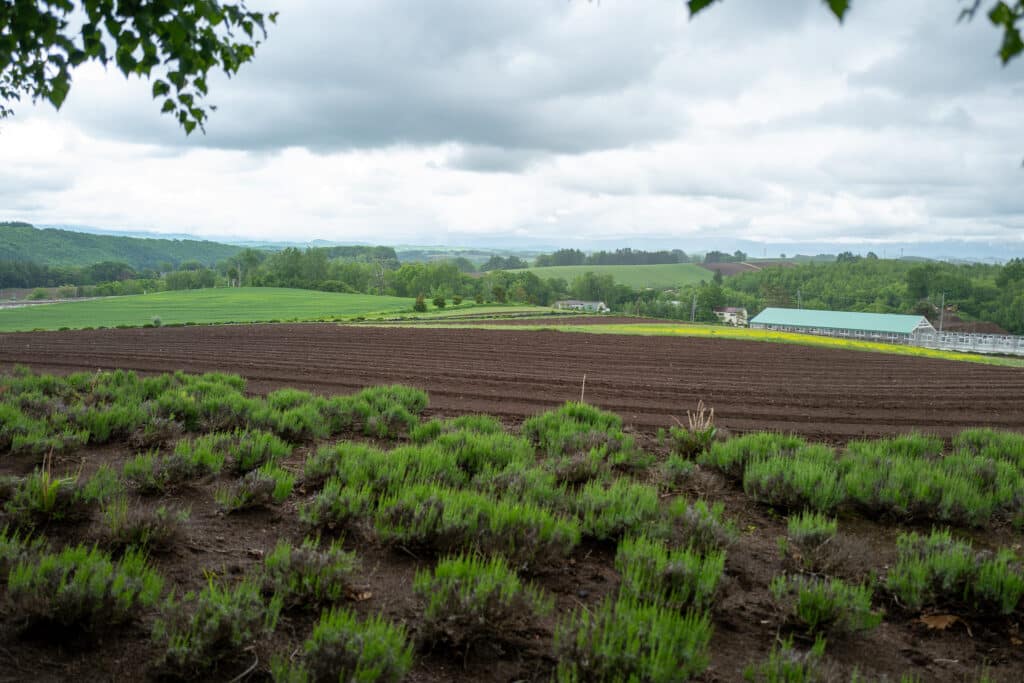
(55, 247)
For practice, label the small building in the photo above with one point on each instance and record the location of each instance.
(886, 327)
(731, 315)
(577, 305)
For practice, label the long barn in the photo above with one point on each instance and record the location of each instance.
(887, 327)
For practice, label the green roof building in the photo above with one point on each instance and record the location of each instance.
(877, 326)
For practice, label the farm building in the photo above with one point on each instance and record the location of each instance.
(730, 315)
(577, 305)
(887, 327)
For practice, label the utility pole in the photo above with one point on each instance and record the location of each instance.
(693, 309)
(799, 299)
(942, 312)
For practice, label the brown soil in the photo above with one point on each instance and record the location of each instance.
(827, 394)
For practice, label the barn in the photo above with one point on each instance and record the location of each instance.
(886, 327)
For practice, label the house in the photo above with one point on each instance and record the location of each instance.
(887, 327)
(730, 315)
(577, 305)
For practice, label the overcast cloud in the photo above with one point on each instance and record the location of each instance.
(562, 121)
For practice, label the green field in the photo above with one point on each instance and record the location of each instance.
(658, 276)
(224, 305)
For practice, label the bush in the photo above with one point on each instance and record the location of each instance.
(439, 302)
(627, 640)
(939, 571)
(675, 472)
(309, 574)
(529, 484)
(346, 456)
(787, 665)
(81, 587)
(267, 485)
(578, 430)
(145, 473)
(809, 544)
(468, 597)
(731, 457)
(214, 624)
(200, 457)
(421, 304)
(993, 444)
(447, 520)
(41, 497)
(338, 504)
(701, 527)
(342, 648)
(478, 424)
(16, 548)
(679, 578)
(474, 451)
(825, 605)
(624, 507)
(806, 480)
(153, 529)
(250, 449)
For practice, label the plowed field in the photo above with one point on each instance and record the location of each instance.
(822, 393)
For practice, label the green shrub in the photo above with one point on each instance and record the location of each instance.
(937, 570)
(731, 457)
(201, 456)
(993, 444)
(578, 429)
(301, 423)
(286, 399)
(688, 443)
(16, 548)
(144, 472)
(679, 578)
(962, 488)
(250, 449)
(474, 451)
(627, 640)
(825, 605)
(81, 587)
(114, 422)
(356, 461)
(468, 597)
(808, 543)
(786, 664)
(342, 648)
(906, 445)
(699, 526)
(267, 485)
(478, 424)
(447, 520)
(529, 484)
(41, 497)
(309, 574)
(675, 472)
(624, 507)
(383, 412)
(808, 479)
(154, 529)
(103, 485)
(420, 305)
(156, 432)
(338, 504)
(214, 624)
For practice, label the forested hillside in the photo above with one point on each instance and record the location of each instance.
(50, 247)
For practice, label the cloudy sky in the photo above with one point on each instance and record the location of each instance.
(558, 122)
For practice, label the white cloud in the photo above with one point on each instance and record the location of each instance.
(570, 122)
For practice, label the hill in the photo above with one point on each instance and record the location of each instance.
(658, 276)
(201, 306)
(54, 247)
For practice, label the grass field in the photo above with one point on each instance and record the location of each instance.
(658, 276)
(246, 304)
(744, 333)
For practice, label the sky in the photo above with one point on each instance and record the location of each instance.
(556, 122)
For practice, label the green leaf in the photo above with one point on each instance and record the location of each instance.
(694, 5)
(838, 7)
(189, 126)
(160, 88)
(59, 88)
(168, 106)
